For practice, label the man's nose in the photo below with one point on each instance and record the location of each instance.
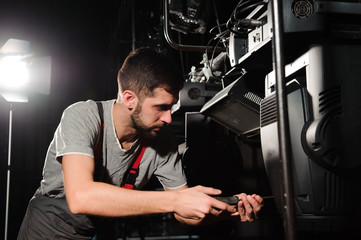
(166, 116)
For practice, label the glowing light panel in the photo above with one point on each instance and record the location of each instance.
(13, 73)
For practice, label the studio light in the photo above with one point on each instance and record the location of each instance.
(14, 73)
(20, 74)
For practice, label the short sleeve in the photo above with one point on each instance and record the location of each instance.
(169, 169)
(170, 173)
(78, 130)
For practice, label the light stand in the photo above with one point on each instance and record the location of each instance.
(8, 172)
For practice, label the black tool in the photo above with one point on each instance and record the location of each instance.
(268, 197)
(233, 200)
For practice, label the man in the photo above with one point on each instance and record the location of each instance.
(94, 148)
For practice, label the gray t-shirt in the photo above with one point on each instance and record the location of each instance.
(78, 133)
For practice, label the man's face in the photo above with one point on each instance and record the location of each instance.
(151, 115)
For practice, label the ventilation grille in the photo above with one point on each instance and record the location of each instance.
(334, 190)
(330, 99)
(329, 107)
(253, 97)
(302, 8)
(268, 111)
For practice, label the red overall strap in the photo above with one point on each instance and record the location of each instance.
(132, 173)
(130, 176)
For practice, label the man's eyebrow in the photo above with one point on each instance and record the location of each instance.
(164, 105)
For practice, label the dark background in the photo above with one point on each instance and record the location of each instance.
(88, 41)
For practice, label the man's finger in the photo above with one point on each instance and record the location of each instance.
(208, 190)
(258, 198)
(249, 217)
(255, 204)
(215, 212)
(242, 212)
(223, 206)
(246, 204)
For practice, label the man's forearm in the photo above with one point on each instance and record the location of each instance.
(111, 201)
(97, 198)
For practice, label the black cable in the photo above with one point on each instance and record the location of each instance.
(218, 26)
(209, 42)
(242, 33)
(249, 7)
(230, 23)
(241, 6)
(212, 56)
(234, 25)
(210, 64)
(234, 19)
(181, 56)
(216, 14)
(217, 19)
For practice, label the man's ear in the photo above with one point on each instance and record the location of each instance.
(130, 99)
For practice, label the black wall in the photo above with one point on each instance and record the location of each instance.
(88, 41)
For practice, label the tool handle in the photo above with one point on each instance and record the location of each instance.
(233, 200)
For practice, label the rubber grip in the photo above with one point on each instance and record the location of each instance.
(233, 200)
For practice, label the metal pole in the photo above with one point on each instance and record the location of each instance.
(133, 26)
(8, 173)
(288, 209)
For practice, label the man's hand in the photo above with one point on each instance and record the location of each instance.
(195, 203)
(248, 207)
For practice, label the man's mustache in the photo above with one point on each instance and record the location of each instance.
(158, 126)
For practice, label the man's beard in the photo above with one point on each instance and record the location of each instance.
(139, 125)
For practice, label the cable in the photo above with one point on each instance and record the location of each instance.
(249, 7)
(235, 23)
(217, 19)
(216, 14)
(212, 56)
(181, 55)
(211, 63)
(218, 26)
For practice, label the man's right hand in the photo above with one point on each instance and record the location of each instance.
(196, 203)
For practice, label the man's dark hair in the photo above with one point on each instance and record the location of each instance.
(146, 69)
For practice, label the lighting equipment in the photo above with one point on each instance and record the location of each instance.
(20, 74)
(189, 17)
(323, 94)
(236, 108)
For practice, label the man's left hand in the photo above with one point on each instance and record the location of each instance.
(248, 207)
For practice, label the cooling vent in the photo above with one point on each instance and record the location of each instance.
(330, 100)
(302, 8)
(330, 106)
(253, 97)
(334, 190)
(268, 110)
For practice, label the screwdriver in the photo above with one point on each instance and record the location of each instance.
(233, 200)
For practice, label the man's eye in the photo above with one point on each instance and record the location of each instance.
(163, 108)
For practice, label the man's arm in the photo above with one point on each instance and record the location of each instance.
(96, 198)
